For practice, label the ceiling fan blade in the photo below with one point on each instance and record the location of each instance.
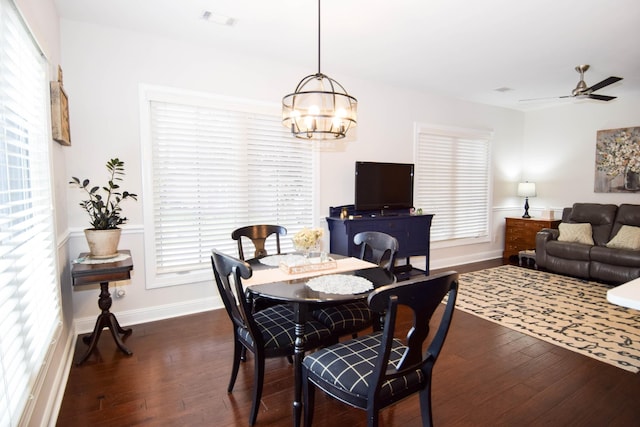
(537, 99)
(601, 97)
(606, 82)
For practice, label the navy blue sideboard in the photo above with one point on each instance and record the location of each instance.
(412, 231)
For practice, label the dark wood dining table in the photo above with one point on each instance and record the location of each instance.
(304, 300)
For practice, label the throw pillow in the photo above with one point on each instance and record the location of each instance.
(628, 237)
(578, 233)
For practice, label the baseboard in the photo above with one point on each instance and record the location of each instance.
(440, 263)
(62, 375)
(134, 317)
(43, 409)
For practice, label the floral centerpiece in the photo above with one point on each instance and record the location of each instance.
(307, 239)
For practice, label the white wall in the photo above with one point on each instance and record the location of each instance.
(105, 66)
(103, 70)
(560, 150)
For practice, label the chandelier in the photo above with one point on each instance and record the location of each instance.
(320, 107)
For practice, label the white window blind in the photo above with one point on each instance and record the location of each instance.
(453, 182)
(216, 167)
(29, 299)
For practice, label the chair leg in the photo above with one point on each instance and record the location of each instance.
(237, 350)
(372, 415)
(308, 399)
(258, 381)
(425, 406)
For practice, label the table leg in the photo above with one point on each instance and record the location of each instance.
(106, 319)
(298, 355)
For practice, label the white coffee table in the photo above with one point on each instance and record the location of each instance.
(626, 295)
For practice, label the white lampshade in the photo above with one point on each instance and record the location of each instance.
(527, 189)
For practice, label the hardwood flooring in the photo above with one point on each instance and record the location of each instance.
(487, 375)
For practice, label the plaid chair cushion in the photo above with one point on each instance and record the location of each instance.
(349, 317)
(349, 365)
(277, 327)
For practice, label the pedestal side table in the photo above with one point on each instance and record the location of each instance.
(103, 273)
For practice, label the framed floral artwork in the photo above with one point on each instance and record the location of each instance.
(618, 161)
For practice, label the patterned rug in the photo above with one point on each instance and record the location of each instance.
(561, 310)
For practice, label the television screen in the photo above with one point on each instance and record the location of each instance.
(383, 186)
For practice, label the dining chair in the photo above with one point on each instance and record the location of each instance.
(353, 317)
(258, 235)
(267, 333)
(377, 247)
(376, 370)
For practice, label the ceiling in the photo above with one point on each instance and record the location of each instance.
(495, 52)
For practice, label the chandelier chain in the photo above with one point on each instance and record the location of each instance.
(319, 37)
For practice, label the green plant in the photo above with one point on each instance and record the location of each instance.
(104, 210)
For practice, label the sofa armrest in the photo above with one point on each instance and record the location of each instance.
(549, 234)
(542, 237)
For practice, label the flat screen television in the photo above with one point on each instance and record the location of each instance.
(383, 186)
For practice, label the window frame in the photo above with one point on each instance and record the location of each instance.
(456, 132)
(29, 247)
(152, 93)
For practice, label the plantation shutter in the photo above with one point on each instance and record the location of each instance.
(217, 168)
(452, 182)
(29, 299)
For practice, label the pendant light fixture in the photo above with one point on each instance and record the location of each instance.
(320, 108)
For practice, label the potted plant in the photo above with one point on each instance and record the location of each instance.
(105, 213)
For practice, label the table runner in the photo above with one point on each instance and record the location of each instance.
(271, 275)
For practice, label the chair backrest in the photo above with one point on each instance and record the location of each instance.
(229, 272)
(258, 235)
(377, 247)
(422, 295)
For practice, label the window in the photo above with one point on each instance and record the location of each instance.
(452, 181)
(29, 300)
(216, 164)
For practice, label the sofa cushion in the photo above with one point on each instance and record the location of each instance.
(619, 257)
(568, 251)
(628, 237)
(615, 274)
(627, 215)
(600, 216)
(576, 233)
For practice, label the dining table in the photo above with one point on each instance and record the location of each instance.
(270, 280)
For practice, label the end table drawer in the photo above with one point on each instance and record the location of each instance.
(520, 234)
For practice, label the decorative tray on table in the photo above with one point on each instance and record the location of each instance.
(301, 264)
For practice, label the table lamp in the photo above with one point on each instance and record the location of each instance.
(526, 190)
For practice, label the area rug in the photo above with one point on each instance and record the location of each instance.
(564, 311)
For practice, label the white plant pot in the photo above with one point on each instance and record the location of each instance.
(103, 243)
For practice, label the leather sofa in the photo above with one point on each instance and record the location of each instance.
(602, 259)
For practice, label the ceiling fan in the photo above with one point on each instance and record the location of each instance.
(581, 90)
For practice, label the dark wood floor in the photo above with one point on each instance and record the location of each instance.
(487, 375)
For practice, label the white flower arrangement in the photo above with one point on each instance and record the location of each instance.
(307, 238)
(618, 151)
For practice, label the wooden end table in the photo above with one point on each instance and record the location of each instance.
(103, 273)
(520, 234)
